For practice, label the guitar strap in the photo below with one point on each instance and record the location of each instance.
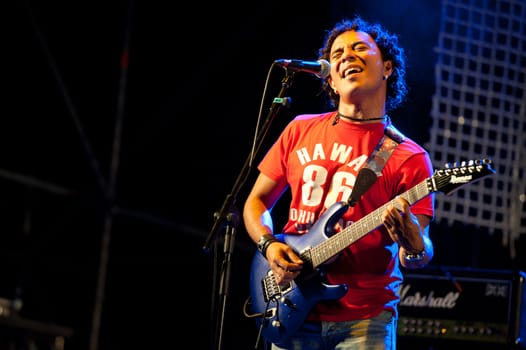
(376, 161)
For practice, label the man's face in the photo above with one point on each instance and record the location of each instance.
(357, 67)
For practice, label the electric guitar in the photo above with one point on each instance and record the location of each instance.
(280, 310)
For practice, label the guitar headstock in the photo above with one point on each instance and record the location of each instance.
(455, 175)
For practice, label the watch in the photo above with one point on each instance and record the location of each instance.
(414, 257)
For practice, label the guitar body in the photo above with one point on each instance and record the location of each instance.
(286, 307)
(281, 310)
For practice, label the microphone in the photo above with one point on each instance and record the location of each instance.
(320, 68)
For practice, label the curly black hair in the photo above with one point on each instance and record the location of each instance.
(390, 49)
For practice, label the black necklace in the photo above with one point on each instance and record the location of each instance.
(354, 119)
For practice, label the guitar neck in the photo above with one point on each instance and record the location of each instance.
(338, 242)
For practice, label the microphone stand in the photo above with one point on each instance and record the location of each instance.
(228, 218)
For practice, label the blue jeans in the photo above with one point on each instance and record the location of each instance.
(378, 333)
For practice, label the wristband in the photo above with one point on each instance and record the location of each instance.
(264, 242)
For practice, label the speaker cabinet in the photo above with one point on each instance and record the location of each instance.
(444, 305)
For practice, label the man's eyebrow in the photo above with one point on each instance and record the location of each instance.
(338, 47)
(353, 44)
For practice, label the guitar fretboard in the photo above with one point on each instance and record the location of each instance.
(338, 242)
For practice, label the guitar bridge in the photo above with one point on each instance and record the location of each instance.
(271, 289)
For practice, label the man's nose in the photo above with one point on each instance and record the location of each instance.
(348, 55)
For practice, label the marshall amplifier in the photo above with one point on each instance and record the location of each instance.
(463, 304)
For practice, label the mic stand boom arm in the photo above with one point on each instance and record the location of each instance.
(227, 217)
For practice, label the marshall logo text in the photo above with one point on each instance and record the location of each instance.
(429, 300)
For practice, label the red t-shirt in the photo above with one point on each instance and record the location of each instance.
(320, 162)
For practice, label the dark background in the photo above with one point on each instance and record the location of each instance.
(156, 104)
